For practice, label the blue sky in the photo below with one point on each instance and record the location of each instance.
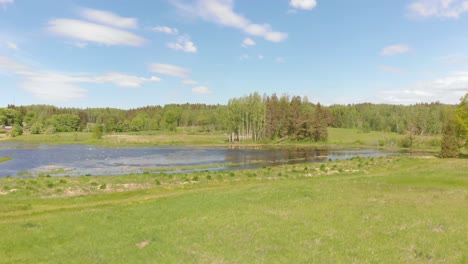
(126, 54)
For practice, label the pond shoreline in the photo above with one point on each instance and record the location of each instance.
(78, 160)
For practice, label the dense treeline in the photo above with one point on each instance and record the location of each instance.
(252, 117)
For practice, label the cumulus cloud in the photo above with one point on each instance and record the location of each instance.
(395, 49)
(184, 44)
(222, 13)
(54, 86)
(170, 70)
(201, 90)
(12, 45)
(303, 4)
(248, 42)
(438, 8)
(86, 31)
(448, 89)
(166, 30)
(109, 18)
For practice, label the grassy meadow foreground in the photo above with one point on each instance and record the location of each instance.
(377, 210)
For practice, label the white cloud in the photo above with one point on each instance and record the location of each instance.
(86, 31)
(123, 79)
(80, 45)
(446, 90)
(438, 8)
(222, 13)
(244, 57)
(169, 69)
(184, 44)
(280, 60)
(53, 86)
(189, 82)
(395, 49)
(12, 45)
(8, 65)
(5, 2)
(390, 69)
(453, 59)
(303, 4)
(109, 18)
(248, 42)
(260, 56)
(201, 90)
(166, 30)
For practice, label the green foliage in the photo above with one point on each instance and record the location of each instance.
(17, 130)
(36, 128)
(320, 131)
(248, 118)
(406, 142)
(449, 144)
(65, 122)
(97, 131)
(462, 120)
(10, 116)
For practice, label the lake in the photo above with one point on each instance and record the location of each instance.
(76, 160)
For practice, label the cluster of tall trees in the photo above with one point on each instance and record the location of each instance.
(252, 117)
(255, 117)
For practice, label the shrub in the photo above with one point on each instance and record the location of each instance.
(406, 142)
(381, 142)
(97, 131)
(17, 131)
(323, 168)
(36, 128)
(103, 186)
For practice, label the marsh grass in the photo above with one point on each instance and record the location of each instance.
(387, 210)
(4, 159)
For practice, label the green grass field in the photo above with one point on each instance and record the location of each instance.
(382, 210)
(338, 138)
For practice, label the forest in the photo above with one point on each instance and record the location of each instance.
(251, 117)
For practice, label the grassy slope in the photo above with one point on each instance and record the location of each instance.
(386, 210)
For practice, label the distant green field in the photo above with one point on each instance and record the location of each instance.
(381, 210)
(338, 137)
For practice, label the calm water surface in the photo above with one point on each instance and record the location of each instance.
(75, 160)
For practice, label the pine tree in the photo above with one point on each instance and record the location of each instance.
(320, 132)
(449, 145)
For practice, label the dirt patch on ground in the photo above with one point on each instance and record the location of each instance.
(143, 244)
